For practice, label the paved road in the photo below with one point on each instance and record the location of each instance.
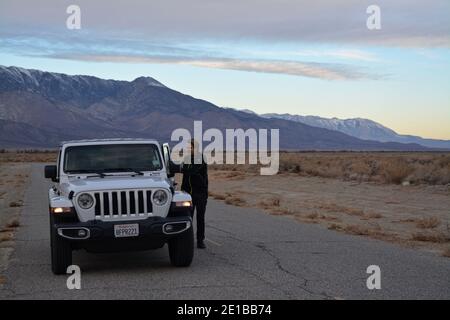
(250, 255)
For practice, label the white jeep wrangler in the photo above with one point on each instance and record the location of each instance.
(115, 195)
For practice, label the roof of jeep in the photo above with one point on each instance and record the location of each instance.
(108, 141)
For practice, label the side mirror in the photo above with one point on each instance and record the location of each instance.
(50, 172)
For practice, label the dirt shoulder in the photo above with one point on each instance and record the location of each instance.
(13, 180)
(414, 215)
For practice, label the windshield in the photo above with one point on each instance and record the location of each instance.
(112, 158)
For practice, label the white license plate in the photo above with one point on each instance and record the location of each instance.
(126, 230)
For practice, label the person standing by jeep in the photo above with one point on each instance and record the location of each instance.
(195, 182)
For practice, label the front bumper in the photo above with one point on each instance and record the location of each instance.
(99, 235)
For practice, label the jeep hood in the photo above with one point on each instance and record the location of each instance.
(115, 183)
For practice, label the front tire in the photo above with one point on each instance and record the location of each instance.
(61, 251)
(181, 249)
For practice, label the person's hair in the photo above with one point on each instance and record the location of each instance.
(194, 144)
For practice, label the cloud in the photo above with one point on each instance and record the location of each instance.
(405, 23)
(325, 71)
(127, 51)
(168, 31)
(347, 54)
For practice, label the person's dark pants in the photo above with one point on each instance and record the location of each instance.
(199, 205)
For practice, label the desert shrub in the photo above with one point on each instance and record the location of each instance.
(428, 223)
(14, 223)
(379, 167)
(396, 171)
(15, 204)
(235, 201)
(430, 237)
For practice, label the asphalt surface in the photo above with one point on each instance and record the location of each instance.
(250, 255)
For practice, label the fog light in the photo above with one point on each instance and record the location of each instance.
(82, 233)
(168, 228)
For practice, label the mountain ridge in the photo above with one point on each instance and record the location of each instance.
(361, 128)
(41, 108)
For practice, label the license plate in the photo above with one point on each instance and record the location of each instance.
(126, 230)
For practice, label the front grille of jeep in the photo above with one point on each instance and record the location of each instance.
(123, 204)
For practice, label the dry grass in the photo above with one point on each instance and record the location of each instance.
(28, 156)
(6, 236)
(374, 215)
(428, 223)
(270, 203)
(397, 171)
(15, 204)
(235, 201)
(446, 253)
(335, 226)
(217, 196)
(430, 237)
(356, 230)
(280, 211)
(382, 167)
(359, 230)
(333, 207)
(312, 216)
(14, 223)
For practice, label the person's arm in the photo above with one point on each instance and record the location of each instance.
(192, 169)
(175, 168)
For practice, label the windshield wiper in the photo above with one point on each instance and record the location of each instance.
(139, 173)
(101, 174)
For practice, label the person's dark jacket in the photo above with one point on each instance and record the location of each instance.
(195, 178)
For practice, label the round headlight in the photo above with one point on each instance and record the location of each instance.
(160, 197)
(85, 201)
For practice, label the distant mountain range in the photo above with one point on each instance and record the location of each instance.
(40, 109)
(360, 128)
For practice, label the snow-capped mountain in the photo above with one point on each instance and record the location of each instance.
(360, 128)
(40, 109)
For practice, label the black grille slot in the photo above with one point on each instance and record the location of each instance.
(115, 205)
(106, 209)
(123, 201)
(140, 201)
(97, 204)
(149, 201)
(132, 202)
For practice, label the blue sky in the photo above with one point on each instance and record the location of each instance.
(268, 56)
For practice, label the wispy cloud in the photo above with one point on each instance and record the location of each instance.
(326, 71)
(348, 54)
(128, 51)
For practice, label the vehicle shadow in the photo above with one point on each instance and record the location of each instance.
(122, 261)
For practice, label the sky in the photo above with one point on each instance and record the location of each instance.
(284, 56)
